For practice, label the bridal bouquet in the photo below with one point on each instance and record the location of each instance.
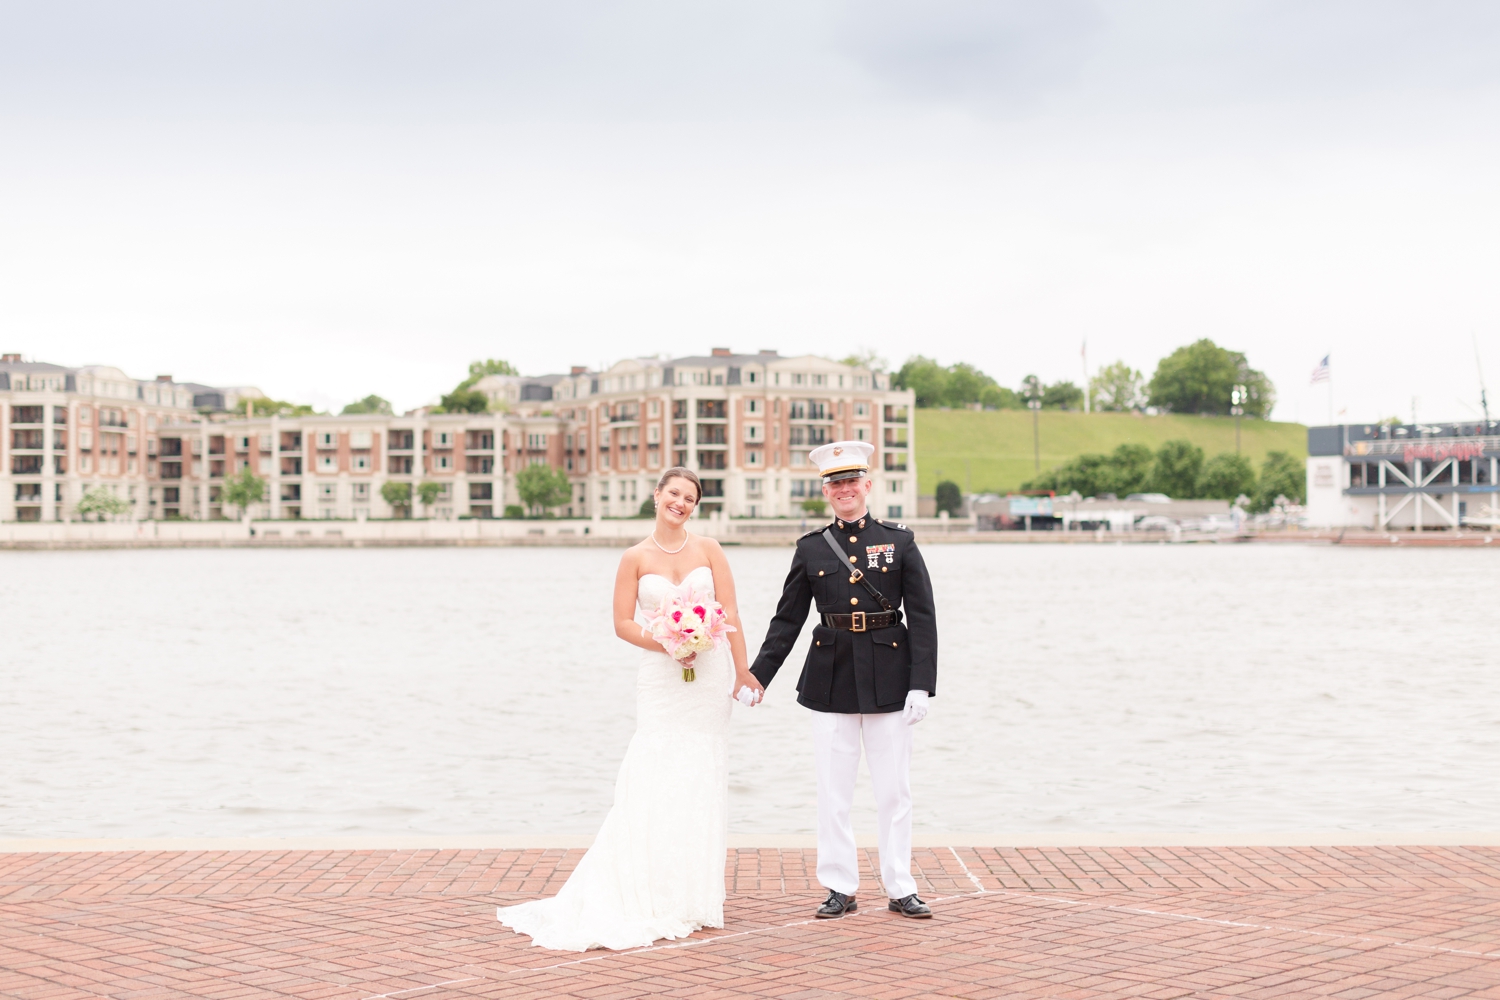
(688, 624)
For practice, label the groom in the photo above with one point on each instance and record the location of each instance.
(867, 675)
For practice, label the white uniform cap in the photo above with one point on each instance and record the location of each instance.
(842, 460)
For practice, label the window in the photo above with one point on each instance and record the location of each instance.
(445, 461)
(861, 433)
(361, 463)
(654, 408)
(753, 406)
(895, 461)
(328, 463)
(861, 409)
(242, 443)
(753, 458)
(819, 379)
(753, 487)
(806, 488)
(755, 433)
(895, 414)
(328, 491)
(328, 439)
(894, 510)
(361, 491)
(798, 379)
(444, 439)
(360, 439)
(897, 485)
(752, 377)
(537, 442)
(653, 434)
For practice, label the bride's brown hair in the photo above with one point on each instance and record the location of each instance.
(678, 472)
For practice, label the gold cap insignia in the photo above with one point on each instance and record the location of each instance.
(838, 451)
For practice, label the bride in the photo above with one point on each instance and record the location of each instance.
(656, 869)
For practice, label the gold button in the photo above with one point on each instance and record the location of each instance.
(895, 644)
(820, 572)
(851, 559)
(854, 579)
(853, 600)
(884, 570)
(817, 642)
(852, 539)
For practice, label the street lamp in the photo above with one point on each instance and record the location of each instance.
(1033, 391)
(1237, 399)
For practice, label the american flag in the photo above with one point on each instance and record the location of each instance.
(1321, 373)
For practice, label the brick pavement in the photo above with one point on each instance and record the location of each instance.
(1153, 923)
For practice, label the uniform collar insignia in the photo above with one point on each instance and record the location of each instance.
(861, 522)
(841, 524)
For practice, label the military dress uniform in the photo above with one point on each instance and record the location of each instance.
(868, 658)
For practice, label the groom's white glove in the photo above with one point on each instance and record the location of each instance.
(747, 696)
(916, 707)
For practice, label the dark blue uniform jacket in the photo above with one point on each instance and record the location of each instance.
(856, 672)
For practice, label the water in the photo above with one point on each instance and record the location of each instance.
(470, 691)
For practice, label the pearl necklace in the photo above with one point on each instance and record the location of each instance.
(670, 552)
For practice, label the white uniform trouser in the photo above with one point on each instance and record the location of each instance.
(887, 746)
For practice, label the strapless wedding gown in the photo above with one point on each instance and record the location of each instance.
(656, 869)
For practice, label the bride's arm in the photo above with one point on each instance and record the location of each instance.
(724, 593)
(627, 580)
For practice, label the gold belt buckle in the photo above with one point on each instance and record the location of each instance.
(858, 622)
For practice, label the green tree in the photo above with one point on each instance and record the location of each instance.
(462, 400)
(542, 488)
(1176, 470)
(515, 511)
(1116, 387)
(867, 358)
(815, 506)
(263, 406)
(1281, 475)
(926, 378)
(370, 404)
(489, 366)
(648, 508)
(1062, 396)
(949, 497)
(998, 397)
(1124, 471)
(1226, 476)
(102, 503)
(1200, 377)
(398, 496)
(243, 490)
(428, 493)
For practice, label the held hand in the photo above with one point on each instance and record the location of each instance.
(687, 662)
(916, 707)
(749, 690)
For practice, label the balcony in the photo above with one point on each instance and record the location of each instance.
(28, 439)
(170, 447)
(895, 437)
(480, 465)
(712, 459)
(711, 409)
(27, 414)
(171, 470)
(26, 465)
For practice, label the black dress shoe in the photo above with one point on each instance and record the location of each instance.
(911, 906)
(836, 905)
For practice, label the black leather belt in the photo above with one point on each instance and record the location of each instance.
(860, 621)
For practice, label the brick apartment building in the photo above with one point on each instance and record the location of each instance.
(743, 422)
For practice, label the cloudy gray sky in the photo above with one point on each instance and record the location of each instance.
(334, 198)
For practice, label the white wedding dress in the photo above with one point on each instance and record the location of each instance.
(656, 869)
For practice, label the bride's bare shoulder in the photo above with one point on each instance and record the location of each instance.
(631, 559)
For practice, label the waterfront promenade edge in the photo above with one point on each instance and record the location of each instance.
(1112, 922)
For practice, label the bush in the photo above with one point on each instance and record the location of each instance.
(648, 508)
(1176, 470)
(1123, 471)
(815, 506)
(949, 497)
(1280, 475)
(1226, 476)
(542, 487)
(515, 511)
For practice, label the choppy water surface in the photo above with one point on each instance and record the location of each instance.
(1089, 688)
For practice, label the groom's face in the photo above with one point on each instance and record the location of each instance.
(847, 496)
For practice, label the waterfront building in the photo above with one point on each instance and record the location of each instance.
(1407, 476)
(744, 422)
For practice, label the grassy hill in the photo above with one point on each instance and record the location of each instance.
(992, 450)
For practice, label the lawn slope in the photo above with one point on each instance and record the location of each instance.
(992, 450)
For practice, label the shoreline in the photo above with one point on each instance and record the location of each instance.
(306, 539)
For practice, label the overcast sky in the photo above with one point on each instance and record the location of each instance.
(331, 199)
